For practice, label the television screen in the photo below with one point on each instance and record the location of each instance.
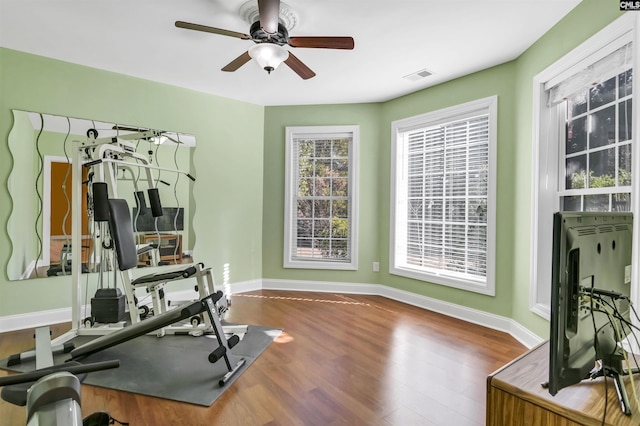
(590, 299)
(172, 219)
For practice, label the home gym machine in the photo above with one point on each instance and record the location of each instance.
(105, 156)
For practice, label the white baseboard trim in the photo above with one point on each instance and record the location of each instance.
(524, 335)
(243, 286)
(320, 286)
(485, 319)
(34, 319)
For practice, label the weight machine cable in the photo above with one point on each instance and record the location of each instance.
(157, 163)
(175, 196)
(86, 294)
(136, 179)
(159, 180)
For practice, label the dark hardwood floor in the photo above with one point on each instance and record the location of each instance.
(341, 360)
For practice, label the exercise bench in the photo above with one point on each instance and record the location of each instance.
(188, 310)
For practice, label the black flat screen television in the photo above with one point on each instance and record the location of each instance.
(591, 277)
(172, 219)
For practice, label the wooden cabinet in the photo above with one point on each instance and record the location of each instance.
(169, 246)
(515, 396)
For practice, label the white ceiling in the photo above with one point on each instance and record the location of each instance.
(393, 38)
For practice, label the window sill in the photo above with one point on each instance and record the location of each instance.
(482, 287)
(320, 264)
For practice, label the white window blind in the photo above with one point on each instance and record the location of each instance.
(593, 74)
(447, 195)
(320, 201)
(442, 200)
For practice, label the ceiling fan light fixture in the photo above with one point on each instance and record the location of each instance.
(268, 55)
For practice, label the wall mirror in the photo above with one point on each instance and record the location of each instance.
(43, 148)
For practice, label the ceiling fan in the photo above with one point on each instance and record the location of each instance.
(269, 36)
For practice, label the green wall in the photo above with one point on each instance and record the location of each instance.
(227, 160)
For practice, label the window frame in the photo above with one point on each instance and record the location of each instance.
(546, 154)
(488, 106)
(321, 132)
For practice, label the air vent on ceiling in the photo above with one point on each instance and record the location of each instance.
(418, 75)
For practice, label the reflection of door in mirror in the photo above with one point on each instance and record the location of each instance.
(59, 207)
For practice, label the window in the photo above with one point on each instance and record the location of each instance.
(321, 203)
(582, 142)
(595, 144)
(442, 202)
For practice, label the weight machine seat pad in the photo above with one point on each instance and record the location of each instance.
(122, 234)
(17, 394)
(165, 276)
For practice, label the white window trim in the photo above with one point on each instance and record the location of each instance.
(544, 183)
(290, 187)
(457, 112)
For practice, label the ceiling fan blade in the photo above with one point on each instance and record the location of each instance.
(298, 67)
(323, 42)
(237, 62)
(269, 11)
(206, 29)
